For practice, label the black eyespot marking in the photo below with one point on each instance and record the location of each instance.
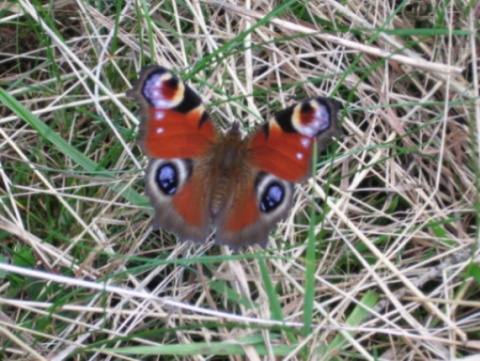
(167, 179)
(284, 119)
(205, 118)
(266, 129)
(173, 82)
(190, 101)
(272, 197)
(306, 107)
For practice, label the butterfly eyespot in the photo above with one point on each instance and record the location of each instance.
(163, 90)
(272, 197)
(311, 118)
(167, 179)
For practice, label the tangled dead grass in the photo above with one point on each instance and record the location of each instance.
(385, 266)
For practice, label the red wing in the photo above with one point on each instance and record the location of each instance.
(241, 224)
(189, 203)
(180, 204)
(175, 135)
(284, 146)
(282, 154)
(254, 211)
(174, 122)
(243, 214)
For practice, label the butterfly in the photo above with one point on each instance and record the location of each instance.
(199, 178)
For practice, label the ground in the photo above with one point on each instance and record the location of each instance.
(378, 259)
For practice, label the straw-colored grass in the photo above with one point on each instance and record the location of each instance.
(379, 259)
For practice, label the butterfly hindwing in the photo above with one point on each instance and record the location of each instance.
(255, 212)
(178, 197)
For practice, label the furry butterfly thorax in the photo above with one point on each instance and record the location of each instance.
(199, 179)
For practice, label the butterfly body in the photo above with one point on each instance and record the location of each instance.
(200, 179)
(227, 171)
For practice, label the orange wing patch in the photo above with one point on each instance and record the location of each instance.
(172, 134)
(189, 203)
(285, 155)
(243, 214)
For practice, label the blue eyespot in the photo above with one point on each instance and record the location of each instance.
(272, 197)
(167, 178)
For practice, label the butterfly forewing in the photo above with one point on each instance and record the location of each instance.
(174, 122)
(284, 146)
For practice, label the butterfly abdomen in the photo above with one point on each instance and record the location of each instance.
(218, 196)
(228, 170)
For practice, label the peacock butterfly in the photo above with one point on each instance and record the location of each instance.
(199, 177)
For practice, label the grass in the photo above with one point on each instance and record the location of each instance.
(379, 259)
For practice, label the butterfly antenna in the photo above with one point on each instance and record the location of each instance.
(235, 128)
